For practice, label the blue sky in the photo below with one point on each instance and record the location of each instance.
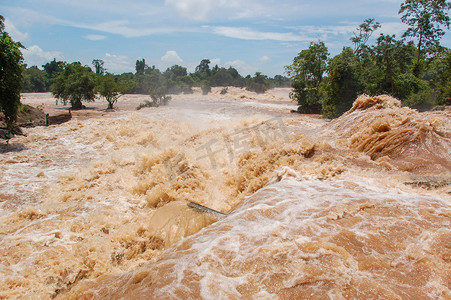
(249, 35)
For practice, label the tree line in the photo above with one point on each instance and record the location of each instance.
(173, 80)
(418, 73)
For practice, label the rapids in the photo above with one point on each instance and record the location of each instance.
(97, 207)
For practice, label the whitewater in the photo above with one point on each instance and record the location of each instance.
(303, 207)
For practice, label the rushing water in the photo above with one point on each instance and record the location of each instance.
(97, 207)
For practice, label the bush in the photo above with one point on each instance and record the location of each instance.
(206, 87)
(424, 100)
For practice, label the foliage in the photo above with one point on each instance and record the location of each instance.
(75, 84)
(206, 87)
(306, 74)
(342, 86)
(98, 65)
(204, 67)
(258, 83)
(177, 80)
(418, 74)
(424, 18)
(11, 60)
(52, 69)
(34, 80)
(159, 96)
(440, 73)
(364, 32)
(108, 88)
(140, 66)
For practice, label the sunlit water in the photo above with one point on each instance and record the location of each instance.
(316, 209)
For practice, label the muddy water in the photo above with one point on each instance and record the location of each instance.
(97, 207)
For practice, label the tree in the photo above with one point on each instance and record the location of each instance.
(306, 74)
(11, 60)
(441, 77)
(364, 32)
(140, 66)
(75, 84)
(204, 67)
(108, 88)
(34, 80)
(98, 66)
(393, 62)
(424, 18)
(257, 83)
(53, 69)
(342, 86)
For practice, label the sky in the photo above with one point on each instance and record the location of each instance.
(249, 35)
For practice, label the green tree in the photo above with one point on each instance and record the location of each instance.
(53, 69)
(75, 84)
(11, 69)
(306, 75)
(258, 83)
(363, 34)
(393, 62)
(341, 86)
(98, 65)
(177, 80)
(34, 80)
(140, 66)
(424, 18)
(204, 67)
(441, 77)
(108, 88)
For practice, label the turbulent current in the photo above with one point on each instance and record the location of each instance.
(301, 207)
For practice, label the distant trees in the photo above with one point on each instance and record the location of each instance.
(11, 60)
(258, 83)
(75, 84)
(34, 80)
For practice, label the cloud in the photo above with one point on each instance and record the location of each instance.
(245, 33)
(264, 59)
(118, 63)
(169, 59)
(14, 32)
(95, 37)
(191, 9)
(171, 56)
(393, 28)
(242, 67)
(35, 56)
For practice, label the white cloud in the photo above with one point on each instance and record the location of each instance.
(14, 32)
(169, 59)
(118, 63)
(191, 9)
(245, 33)
(264, 59)
(214, 62)
(171, 56)
(95, 37)
(35, 56)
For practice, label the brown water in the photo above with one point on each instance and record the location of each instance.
(97, 207)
